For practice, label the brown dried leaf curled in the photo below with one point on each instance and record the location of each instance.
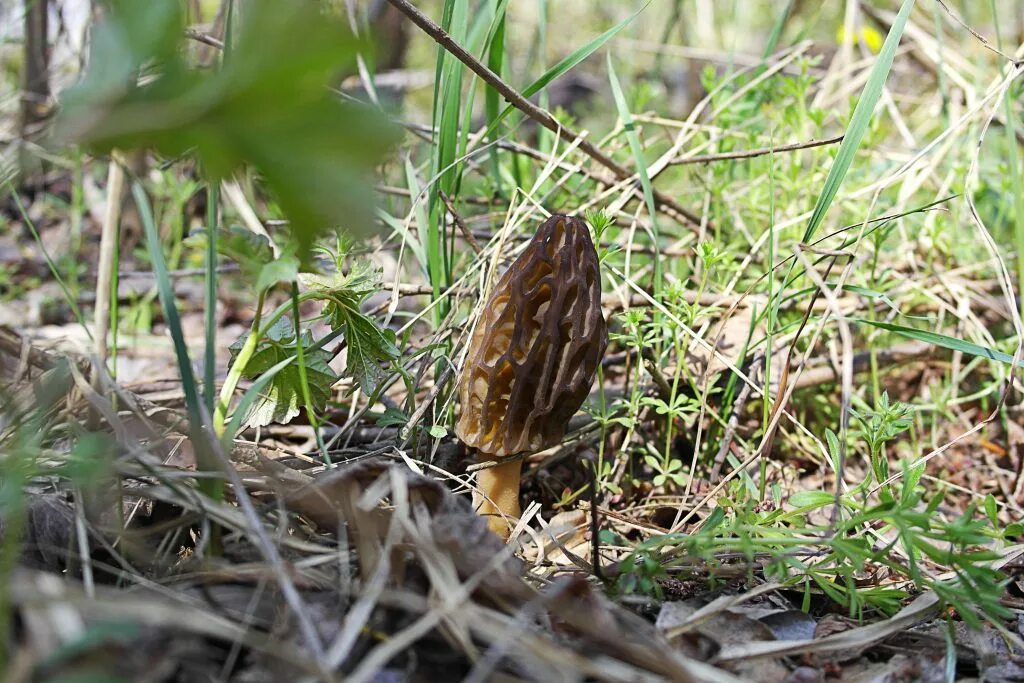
(535, 351)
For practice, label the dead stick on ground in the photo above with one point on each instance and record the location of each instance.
(530, 109)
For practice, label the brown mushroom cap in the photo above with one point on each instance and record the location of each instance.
(536, 349)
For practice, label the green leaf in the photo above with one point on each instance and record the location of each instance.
(252, 253)
(946, 342)
(565, 65)
(343, 291)
(911, 477)
(284, 268)
(992, 509)
(392, 417)
(368, 345)
(281, 398)
(811, 499)
(269, 106)
(438, 432)
(834, 450)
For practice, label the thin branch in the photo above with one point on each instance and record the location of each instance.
(204, 38)
(466, 232)
(1014, 61)
(530, 109)
(750, 153)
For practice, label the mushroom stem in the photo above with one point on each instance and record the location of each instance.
(498, 495)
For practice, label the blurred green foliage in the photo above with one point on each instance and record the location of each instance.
(269, 105)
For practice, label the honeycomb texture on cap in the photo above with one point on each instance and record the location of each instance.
(536, 348)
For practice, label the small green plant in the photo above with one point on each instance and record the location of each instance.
(880, 425)
(901, 532)
(274, 341)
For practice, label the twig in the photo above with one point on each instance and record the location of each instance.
(988, 45)
(595, 522)
(204, 38)
(651, 363)
(750, 153)
(730, 428)
(524, 105)
(466, 232)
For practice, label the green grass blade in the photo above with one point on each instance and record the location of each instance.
(641, 167)
(210, 487)
(495, 62)
(446, 119)
(860, 121)
(942, 340)
(776, 33)
(579, 54)
(71, 301)
(166, 292)
(210, 296)
(1014, 162)
(565, 65)
(307, 395)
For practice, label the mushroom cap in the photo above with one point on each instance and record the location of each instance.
(537, 346)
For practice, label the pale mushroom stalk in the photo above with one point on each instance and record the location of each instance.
(498, 495)
(532, 359)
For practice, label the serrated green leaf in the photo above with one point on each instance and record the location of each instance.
(253, 254)
(250, 251)
(281, 399)
(343, 291)
(367, 347)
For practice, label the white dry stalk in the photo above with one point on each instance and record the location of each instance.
(109, 236)
(233, 191)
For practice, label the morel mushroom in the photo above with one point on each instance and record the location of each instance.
(532, 359)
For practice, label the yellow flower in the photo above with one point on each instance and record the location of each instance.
(867, 35)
